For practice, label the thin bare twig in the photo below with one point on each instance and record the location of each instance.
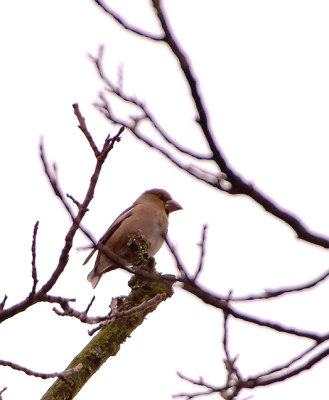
(74, 200)
(105, 109)
(234, 381)
(202, 253)
(218, 302)
(53, 180)
(107, 147)
(42, 375)
(199, 382)
(68, 311)
(265, 381)
(1, 391)
(125, 25)
(84, 129)
(41, 295)
(34, 268)
(146, 114)
(115, 315)
(179, 263)
(271, 293)
(287, 365)
(3, 303)
(221, 303)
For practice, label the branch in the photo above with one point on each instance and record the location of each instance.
(234, 379)
(179, 263)
(33, 249)
(285, 366)
(84, 129)
(115, 315)
(219, 303)
(41, 295)
(125, 25)
(3, 303)
(42, 375)
(239, 186)
(1, 391)
(107, 342)
(202, 254)
(265, 381)
(146, 114)
(199, 382)
(107, 147)
(51, 174)
(271, 293)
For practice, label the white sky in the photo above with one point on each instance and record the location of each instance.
(263, 71)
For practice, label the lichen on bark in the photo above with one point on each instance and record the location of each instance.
(108, 341)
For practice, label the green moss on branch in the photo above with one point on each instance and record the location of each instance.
(108, 341)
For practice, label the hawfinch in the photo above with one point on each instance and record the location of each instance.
(148, 216)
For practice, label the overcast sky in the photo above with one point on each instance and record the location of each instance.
(263, 73)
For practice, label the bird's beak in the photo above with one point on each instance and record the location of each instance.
(171, 206)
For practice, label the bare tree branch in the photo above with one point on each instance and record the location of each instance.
(286, 365)
(1, 391)
(237, 184)
(209, 389)
(271, 293)
(42, 375)
(125, 25)
(41, 295)
(202, 254)
(115, 314)
(84, 129)
(33, 249)
(217, 302)
(53, 180)
(3, 303)
(108, 341)
(265, 381)
(234, 379)
(145, 113)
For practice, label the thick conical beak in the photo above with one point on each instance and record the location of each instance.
(171, 206)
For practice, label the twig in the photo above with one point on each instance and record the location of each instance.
(1, 391)
(74, 200)
(287, 365)
(104, 108)
(108, 145)
(219, 303)
(3, 303)
(115, 315)
(271, 293)
(239, 186)
(53, 180)
(42, 375)
(202, 254)
(34, 268)
(265, 381)
(146, 114)
(41, 295)
(84, 129)
(199, 382)
(234, 382)
(125, 25)
(179, 262)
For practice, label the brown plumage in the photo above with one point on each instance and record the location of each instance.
(148, 216)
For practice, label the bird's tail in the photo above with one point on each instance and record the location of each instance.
(93, 278)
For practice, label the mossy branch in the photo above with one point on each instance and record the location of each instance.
(108, 340)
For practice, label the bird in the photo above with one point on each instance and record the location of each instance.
(147, 217)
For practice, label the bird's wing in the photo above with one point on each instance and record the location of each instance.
(115, 225)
